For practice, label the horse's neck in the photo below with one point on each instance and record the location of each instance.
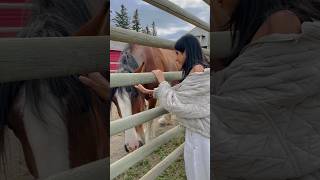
(168, 60)
(154, 58)
(48, 137)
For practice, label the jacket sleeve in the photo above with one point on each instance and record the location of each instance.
(169, 99)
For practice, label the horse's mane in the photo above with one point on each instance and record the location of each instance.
(57, 18)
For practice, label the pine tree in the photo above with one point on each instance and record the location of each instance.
(148, 30)
(136, 21)
(121, 18)
(154, 30)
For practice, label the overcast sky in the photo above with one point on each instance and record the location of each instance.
(168, 26)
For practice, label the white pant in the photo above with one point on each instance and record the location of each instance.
(197, 156)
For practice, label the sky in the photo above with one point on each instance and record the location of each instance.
(168, 26)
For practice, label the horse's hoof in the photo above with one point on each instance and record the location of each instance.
(140, 144)
(162, 124)
(127, 149)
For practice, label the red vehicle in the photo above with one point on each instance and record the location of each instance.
(115, 52)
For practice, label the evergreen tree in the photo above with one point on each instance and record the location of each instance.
(148, 30)
(154, 30)
(121, 18)
(136, 21)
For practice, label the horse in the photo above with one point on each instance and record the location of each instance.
(136, 59)
(60, 123)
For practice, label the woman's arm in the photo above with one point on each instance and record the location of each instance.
(164, 89)
(170, 100)
(144, 90)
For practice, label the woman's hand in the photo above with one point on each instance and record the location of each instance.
(98, 83)
(144, 90)
(159, 75)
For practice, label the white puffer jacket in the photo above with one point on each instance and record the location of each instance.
(189, 101)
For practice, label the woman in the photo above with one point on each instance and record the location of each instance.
(266, 94)
(190, 102)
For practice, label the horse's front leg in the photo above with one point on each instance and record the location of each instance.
(150, 131)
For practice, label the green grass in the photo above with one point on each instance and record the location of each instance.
(174, 172)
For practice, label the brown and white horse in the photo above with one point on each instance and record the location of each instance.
(128, 100)
(60, 123)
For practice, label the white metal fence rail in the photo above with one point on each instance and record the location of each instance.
(34, 58)
(129, 79)
(16, 6)
(128, 161)
(129, 36)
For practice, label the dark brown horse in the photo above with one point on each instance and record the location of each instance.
(128, 100)
(60, 123)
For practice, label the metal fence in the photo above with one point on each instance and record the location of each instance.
(127, 79)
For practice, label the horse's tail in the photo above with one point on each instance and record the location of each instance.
(8, 94)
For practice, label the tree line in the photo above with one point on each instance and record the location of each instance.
(122, 20)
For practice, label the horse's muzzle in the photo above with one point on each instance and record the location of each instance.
(127, 149)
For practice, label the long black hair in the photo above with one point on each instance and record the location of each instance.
(194, 55)
(249, 15)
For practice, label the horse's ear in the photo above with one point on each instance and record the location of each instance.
(140, 69)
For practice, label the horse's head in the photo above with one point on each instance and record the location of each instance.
(127, 64)
(129, 100)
